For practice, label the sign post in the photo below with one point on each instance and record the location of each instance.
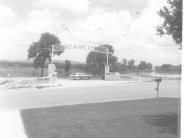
(52, 54)
(106, 69)
(107, 56)
(157, 88)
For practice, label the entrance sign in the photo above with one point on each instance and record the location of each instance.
(106, 69)
(58, 47)
(100, 50)
(51, 68)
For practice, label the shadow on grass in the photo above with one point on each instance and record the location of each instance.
(169, 122)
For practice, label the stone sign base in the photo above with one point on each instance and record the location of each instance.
(112, 76)
(117, 77)
(31, 82)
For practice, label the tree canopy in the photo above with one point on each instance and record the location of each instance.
(131, 64)
(172, 24)
(41, 51)
(101, 59)
(143, 65)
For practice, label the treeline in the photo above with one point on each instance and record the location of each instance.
(124, 66)
(17, 64)
(168, 68)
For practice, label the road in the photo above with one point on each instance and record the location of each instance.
(79, 92)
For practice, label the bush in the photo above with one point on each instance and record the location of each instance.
(5, 81)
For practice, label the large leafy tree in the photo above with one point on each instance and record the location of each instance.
(101, 59)
(172, 24)
(41, 51)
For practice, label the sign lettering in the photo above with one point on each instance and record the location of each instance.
(59, 47)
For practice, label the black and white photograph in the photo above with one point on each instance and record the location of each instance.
(91, 68)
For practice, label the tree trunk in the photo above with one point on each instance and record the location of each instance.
(43, 66)
(42, 71)
(102, 72)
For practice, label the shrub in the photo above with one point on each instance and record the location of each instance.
(5, 81)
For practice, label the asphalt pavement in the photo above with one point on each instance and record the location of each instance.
(84, 91)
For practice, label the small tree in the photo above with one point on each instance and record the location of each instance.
(149, 66)
(142, 65)
(41, 51)
(67, 65)
(131, 64)
(124, 65)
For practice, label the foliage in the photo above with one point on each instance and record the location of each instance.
(41, 51)
(5, 81)
(172, 24)
(92, 68)
(131, 64)
(67, 65)
(101, 59)
(124, 65)
(25, 69)
(143, 66)
(124, 62)
(166, 66)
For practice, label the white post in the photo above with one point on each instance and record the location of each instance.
(107, 56)
(52, 54)
(107, 61)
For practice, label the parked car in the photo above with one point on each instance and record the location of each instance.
(80, 76)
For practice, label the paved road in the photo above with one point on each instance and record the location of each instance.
(78, 92)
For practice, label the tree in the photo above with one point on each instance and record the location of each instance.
(142, 65)
(149, 66)
(67, 65)
(101, 59)
(124, 61)
(167, 66)
(131, 64)
(124, 65)
(172, 24)
(41, 51)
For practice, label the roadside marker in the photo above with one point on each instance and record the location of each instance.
(157, 88)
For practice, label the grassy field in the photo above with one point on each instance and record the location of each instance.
(31, 72)
(149, 118)
(21, 72)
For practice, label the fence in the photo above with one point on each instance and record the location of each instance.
(171, 72)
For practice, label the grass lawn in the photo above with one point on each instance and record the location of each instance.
(148, 118)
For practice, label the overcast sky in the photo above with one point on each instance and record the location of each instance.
(127, 25)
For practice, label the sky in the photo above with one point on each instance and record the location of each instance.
(127, 25)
